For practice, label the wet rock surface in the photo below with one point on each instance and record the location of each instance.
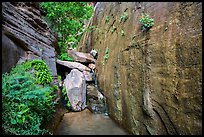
(95, 100)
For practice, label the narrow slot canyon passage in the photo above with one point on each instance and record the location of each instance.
(94, 119)
(88, 123)
(101, 68)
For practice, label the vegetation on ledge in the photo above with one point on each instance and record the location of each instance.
(27, 103)
(67, 19)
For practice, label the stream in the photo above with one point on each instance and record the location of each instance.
(93, 120)
(88, 123)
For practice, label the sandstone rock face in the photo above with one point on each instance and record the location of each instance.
(152, 80)
(23, 26)
(10, 53)
(75, 85)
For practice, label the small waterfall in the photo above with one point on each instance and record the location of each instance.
(101, 97)
(94, 78)
(105, 108)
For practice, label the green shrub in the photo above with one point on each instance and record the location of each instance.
(124, 17)
(113, 29)
(67, 20)
(42, 73)
(55, 87)
(106, 55)
(25, 105)
(65, 56)
(65, 98)
(122, 33)
(59, 77)
(146, 21)
(107, 19)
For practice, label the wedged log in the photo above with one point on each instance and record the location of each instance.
(81, 57)
(73, 65)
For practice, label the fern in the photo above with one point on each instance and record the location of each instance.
(25, 105)
(42, 73)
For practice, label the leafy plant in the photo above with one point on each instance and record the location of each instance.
(99, 30)
(59, 77)
(113, 29)
(42, 73)
(55, 88)
(106, 55)
(122, 33)
(65, 56)
(124, 17)
(66, 101)
(67, 19)
(91, 28)
(146, 21)
(107, 19)
(25, 105)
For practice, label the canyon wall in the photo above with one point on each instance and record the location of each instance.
(25, 34)
(152, 80)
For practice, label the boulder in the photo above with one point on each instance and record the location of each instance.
(95, 100)
(74, 65)
(81, 57)
(94, 53)
(92, 92)
(88, 76)
(75, 85)
(92, 66)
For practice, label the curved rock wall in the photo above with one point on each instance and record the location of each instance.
(26, 34)
(152, 80)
